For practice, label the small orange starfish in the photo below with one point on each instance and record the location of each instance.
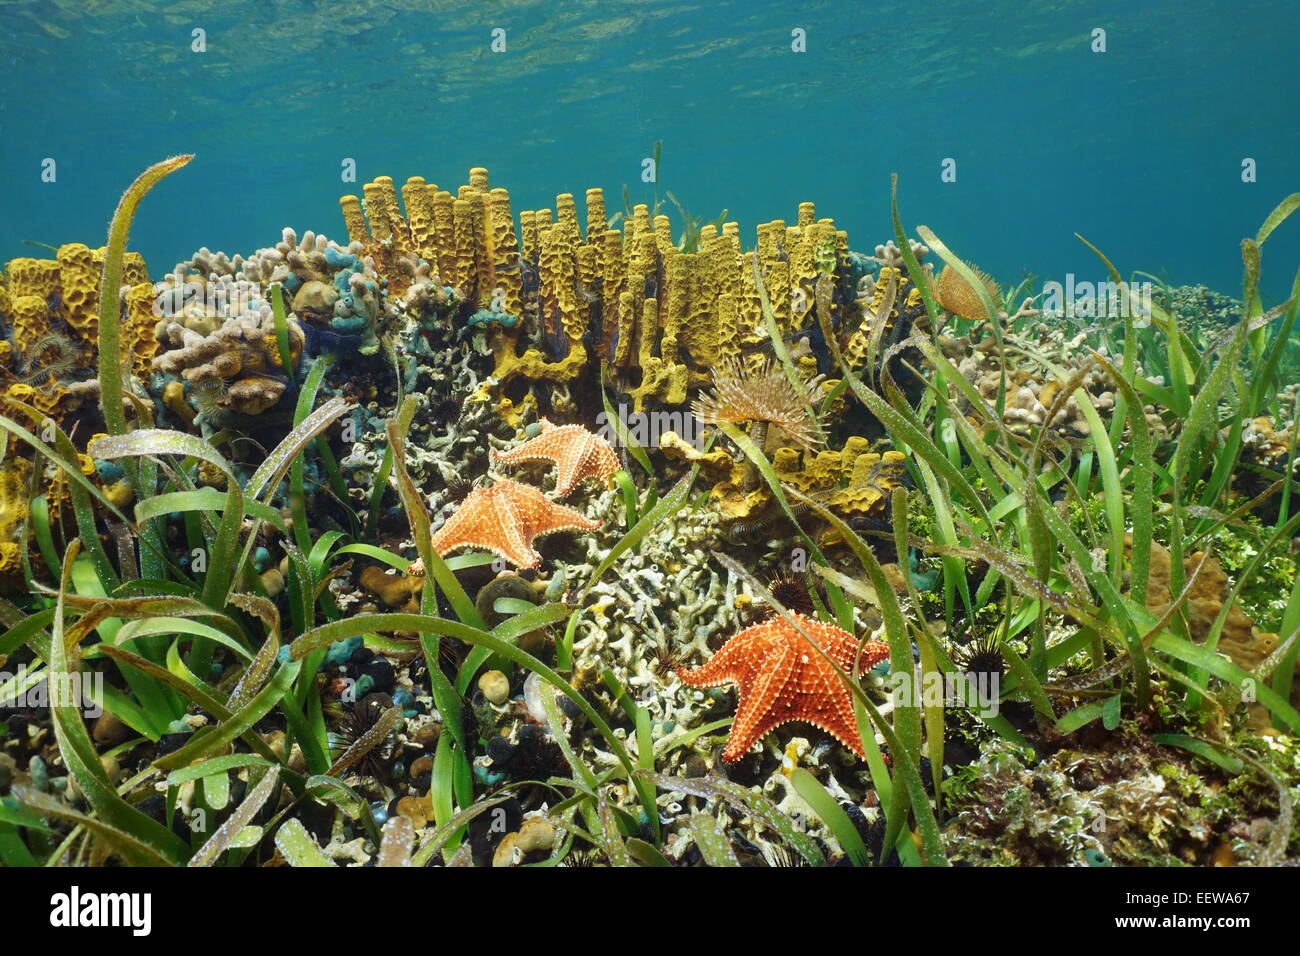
(782, 679)
(505, 518)
(577, 453)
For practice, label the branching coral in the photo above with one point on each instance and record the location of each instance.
(1032, 386)
(241, 358)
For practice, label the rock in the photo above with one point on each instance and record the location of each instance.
(499, 751)
(415, 809)
(380, 673)
(120, 493)
(534, 642)
(395, 590)
(426, 736)
(536, 834)
(341, 652)
(108, 731)
(316, 297)
(273, 582)
(495, 687)
(507, 852)
(111, 767)
(502, 586)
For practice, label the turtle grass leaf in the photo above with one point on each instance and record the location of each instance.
(398, 842)
(220, 841)
(746, 801)
(712, 841)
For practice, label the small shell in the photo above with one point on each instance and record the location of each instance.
(534, 687)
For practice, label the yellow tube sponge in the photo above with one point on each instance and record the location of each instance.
(462, 273)
(15, 479)
(874, 479)
(806, 472)
(79, 288)
(678, 271)
(134, 270)
(528, 234)
(596, 222)
(354, 219)
(419, 214)
(444, 234)
(613, 283)
(34, 277)
(507, 277)
(31, 322)
(664, 234)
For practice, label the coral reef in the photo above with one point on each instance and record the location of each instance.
(1238, 639)
(568, 696)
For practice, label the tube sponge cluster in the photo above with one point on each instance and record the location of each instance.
(50, 313)
(554, 296)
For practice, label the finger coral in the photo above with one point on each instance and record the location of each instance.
(239, 361)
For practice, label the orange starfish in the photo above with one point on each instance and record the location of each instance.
(505, 518)
(782, 679)
(577, 453)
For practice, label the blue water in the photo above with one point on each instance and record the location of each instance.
(1138, 148)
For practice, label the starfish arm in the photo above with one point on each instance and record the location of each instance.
(839, 718)
(758, 712)
(846, 650)
(546, 446)
(514, 541)
(595, 462)
(560, 518)
(873, 652)
(449, 536)
(525, 452)
(607, 462)
(567, 470)
(744, 651)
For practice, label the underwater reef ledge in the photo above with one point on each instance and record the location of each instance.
(473, 539)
